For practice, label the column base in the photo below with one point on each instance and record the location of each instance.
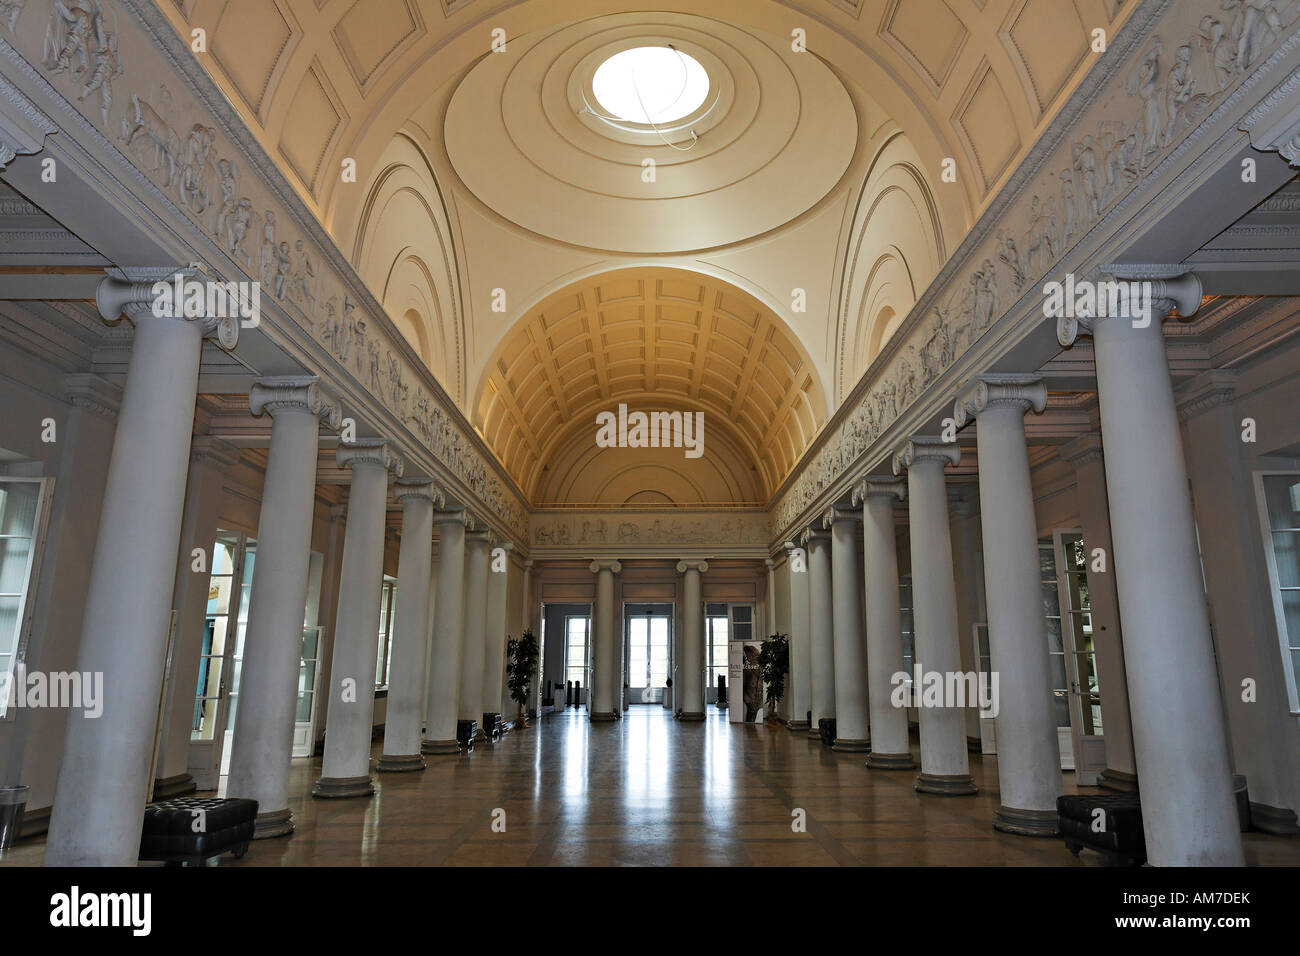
(603, 717)
(331, 788)
(439, 747)
(1118, 780)
(946, 784)
(814, 733)
(851, 746)
(274, 823)
(164, 788)
(796, 726)
(691, 715)
(877, 761)
(1030, 823)
(400, 763)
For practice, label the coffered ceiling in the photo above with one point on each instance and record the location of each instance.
(656, 339)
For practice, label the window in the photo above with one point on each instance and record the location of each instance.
(576, 632)
(387, 613)
(651, 85)
(905, 623)
(1079, 610)
(716, 629)
(223, 651)
(21, 504)
(1279, 505)
(1055, 639)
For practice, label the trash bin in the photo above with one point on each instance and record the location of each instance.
(13, 802)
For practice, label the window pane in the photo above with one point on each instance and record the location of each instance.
(18, 507)
(1282, 493)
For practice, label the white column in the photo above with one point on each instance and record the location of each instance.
(442, 696)
(405, 712)
(820, 629)
(852, 732)
(103, 780)
(494, 661)
(800, 683)
(1189, 812)
(605, 643)
(477, 544)
(345, 771)
(1029, 759)
(268, 683)
(944, 767)
(1085, 453)
(691, 673)
(960, 533)
(890, 746)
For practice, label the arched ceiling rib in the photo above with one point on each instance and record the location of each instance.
(654, 339)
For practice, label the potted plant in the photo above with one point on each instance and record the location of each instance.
(521, 666)
(774, 664)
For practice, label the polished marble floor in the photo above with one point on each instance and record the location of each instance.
(651, 790)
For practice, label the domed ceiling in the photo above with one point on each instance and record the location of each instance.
(653, 338)
(772, 138)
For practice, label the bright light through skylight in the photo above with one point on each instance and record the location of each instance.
(650, 85)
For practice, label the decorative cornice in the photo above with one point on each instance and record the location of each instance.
(213, 452)
(91, 393)
(879, 488)
(610, 565)
(1274, 124)
(372, 451)
(297, 393)
(985, 391)
(684, 566)
(925, 448)
(1206, 391)
(23, 127)
(1082, 450)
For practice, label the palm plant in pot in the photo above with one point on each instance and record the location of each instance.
(521, 668)
(774, 665)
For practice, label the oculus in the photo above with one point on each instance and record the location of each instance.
(650, 85)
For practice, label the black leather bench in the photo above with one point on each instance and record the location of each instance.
(826, 729)
(1110, 823)
(194, 829)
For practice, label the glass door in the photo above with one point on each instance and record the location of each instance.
(984, 666)
(577, 654)
(1088, 747)
(649, 629)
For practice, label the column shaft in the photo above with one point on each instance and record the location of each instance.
(442, 697)
(944, 766)
(852, 732)
(800, 683)
(1189, 812)
(603, 671)
(475, 630)
(691, 673)
(103, 781)
(494, 661)
(345, 771)
(821, 631)
(405, 711)
(263, 738)
(890, 746)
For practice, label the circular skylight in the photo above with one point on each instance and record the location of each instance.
(653, 85)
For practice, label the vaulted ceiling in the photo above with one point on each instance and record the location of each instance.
(654, 338)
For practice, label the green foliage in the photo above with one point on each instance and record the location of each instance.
(774, 663)
(521, 665)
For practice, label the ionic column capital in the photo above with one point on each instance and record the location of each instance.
(1082, 450)
(987, 391)
(923, 448)
(296, 393)
(610, 565)
(769, 564)
(137, 294)
(813, 533)
(452, 516)
(373, 451)
(419, 489)
(843, 515)
(480, 535)
(1141, 294)
(684, 566)
(879, 488)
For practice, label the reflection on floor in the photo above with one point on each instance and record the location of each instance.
(651, 790)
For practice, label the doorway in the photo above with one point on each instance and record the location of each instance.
(647, 649)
